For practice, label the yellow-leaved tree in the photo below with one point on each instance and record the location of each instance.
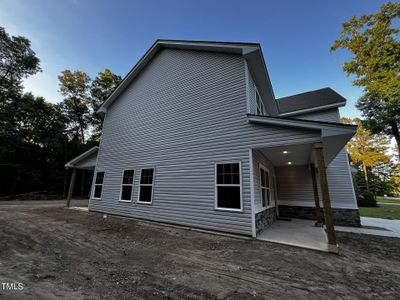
(367, 149)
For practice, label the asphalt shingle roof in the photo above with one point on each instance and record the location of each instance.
(313, 99)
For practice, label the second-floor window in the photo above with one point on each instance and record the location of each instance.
(260, 105)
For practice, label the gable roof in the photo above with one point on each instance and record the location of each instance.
(287, 106)
(84, 160)
(310, 101)
(251, 51)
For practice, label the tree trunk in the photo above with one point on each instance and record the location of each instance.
(82, 134)
(366, 176)
(396, 134)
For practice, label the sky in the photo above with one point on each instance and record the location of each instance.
(93, 35)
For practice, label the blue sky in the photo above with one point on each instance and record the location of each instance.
(92, 35)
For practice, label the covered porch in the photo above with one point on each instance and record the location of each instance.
(80, 170)
(294, 176)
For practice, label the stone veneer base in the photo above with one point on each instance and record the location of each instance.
(265, 218)
(341, 216)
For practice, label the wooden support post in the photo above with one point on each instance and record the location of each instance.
(316, 197)
(71, 187)
(82, 182)
(332, 246)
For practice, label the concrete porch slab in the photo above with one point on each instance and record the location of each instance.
(298, 233)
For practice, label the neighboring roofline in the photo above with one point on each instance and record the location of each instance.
(307, 124)
(80, 157)
(335, 100)
(250, 51)
(313, 109)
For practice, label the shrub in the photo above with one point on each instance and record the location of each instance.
(367, 199)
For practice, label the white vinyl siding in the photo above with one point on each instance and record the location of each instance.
(295, 186)
(188, 111)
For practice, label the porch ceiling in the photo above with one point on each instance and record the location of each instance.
(295, 154)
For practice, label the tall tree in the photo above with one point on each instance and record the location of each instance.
(374, 43)
(102, 87)
(17, 61)
(367, 149)
(74, 86)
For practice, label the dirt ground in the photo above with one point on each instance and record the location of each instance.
(67, 254)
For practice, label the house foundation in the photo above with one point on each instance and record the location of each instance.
(265, 219)
(341, 216)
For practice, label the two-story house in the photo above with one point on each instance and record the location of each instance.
(195, 136)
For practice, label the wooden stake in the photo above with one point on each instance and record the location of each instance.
(71, 187)
(325, 198)
(316, 197)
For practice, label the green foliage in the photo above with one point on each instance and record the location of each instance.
(375, 63)
(38, 137)
(102, 87)
(366, 199)
(365, 147)
(17, 61)
(74, 86)
(385, 211)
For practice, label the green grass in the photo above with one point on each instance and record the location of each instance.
(388, 199)
(385, 211)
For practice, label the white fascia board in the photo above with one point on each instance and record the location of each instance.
(326, 129)
(313, 109)
(80, 157)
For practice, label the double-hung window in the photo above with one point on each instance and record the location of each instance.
(127, 185)
(265, 187)
(260, 105)
(228, 186)
(146, 186)
(98, 185)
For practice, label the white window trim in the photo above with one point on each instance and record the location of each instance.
(94, 185)
(262, 167)
(146, 184)
(217, 185)
(125, 184)
(262, 103)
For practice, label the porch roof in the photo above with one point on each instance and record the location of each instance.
(86, 160)
(334, 136)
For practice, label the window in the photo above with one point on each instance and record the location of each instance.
(98, 185)
(260, 105)
(127, 185)
(265, 187)
(146, 186)
(228, 187)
